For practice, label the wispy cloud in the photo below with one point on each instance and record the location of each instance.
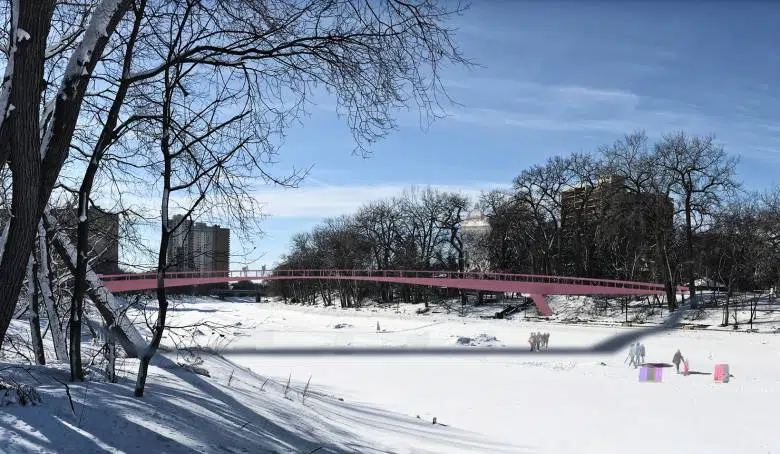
(572, 96)
(572, 108)
(325, 201)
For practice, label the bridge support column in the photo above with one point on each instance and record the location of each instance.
(541, 304)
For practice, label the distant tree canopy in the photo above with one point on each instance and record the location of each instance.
(670, 212)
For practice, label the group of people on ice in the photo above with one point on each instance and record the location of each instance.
(636, 354)
(636, 357)
(539, 341)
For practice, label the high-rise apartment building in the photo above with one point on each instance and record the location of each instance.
(586, 208)
(583, 205)
(195, 246)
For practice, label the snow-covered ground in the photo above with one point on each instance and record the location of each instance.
(183, 412)
(363, 404)
(536, 403)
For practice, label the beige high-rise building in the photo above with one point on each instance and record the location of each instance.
(195, 246)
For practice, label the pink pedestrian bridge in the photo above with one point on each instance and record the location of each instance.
(538, 287)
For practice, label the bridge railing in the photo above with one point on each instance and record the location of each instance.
(414, 274)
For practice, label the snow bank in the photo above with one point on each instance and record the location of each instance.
(184, 412)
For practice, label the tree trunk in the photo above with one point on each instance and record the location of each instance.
(666, 272)
(110, 357)
(689, 248)
(35, 319)
(34, 17)
(162, 259)
(159, 326)
(43, 280)
(80, 283)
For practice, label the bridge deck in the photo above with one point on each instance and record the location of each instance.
(536, 285)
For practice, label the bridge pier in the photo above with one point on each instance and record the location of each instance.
(541, 304)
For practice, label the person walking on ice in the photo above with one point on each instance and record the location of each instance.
(677, 359)
(631, 355)
(640, 353)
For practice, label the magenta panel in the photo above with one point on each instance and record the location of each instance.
(721, 374)
(650, 374)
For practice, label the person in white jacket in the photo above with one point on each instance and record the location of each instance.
(631, 355)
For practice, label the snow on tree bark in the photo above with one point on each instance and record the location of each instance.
(44, 279)
(5, 95)
(35, 319)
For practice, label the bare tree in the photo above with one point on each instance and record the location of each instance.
(770, 226)
(540, 189)
(579, 227)
(512, 235)
(453, 210)
(198, 143)
(378, 222)
(701, 173)
(109, 134)
(650, 185)
(421, 210)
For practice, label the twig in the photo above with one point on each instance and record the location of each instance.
(303, 398)
(67, 391)
(266, 381)
(83, 403)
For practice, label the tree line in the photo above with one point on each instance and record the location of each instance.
(670, 212)
(418, 230)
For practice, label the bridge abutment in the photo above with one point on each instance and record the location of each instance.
(541, 304)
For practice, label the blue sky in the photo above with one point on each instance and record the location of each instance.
(555, 78)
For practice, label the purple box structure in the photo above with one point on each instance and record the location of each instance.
(721, 373)
(650, 374)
